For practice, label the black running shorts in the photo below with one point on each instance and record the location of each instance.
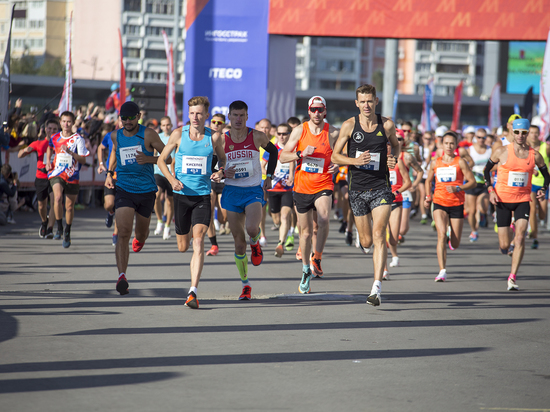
(504, 212)
(454, 212)
(279, 199)
(191, 211)
(304, 203)
(43, 188)
(164, 185)
(142, 203)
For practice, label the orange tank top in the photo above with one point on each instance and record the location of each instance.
(396, 181)
(312, 172)
(514, 177)
(448, 174)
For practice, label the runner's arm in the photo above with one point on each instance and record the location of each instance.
(288, 154)
(166, 154)
(405, 175)
(428, 182)
(25, 152)
(152, 141)
(491, 164)
(272, 162)
(389, 127)
(343, 137)
(468, 176)
(543, 169)
(463, 153)
(417, 168)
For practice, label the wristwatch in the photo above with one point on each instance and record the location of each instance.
(458, 189)
(299, 154)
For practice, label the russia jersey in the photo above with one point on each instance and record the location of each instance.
(246, 159)
(281, 174)
(64, 165)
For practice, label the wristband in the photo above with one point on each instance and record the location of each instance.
(100, 163)
(428, 198)
(268, 175)
(299, 154)
(458, 189)
(110, 172)
(490, 189)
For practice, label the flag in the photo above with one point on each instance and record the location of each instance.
(170, 105)
(425, 121)
(516, 109)
(5, 78)
(494, 108)
(122, 85)
(457, 108)
(395, 100)
(544, 93)
(434, 120)
(528, 104)
(66, 102)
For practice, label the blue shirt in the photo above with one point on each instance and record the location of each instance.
(194, 163)
(108, 143)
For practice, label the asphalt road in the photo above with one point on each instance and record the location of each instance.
(69, 342)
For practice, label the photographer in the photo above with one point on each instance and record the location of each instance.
(8, 185)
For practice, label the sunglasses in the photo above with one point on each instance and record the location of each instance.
(282, 134)
(316, 109)
(406, 131)
(522, 132)
(217, 122)
(124, 118)
(400, 139)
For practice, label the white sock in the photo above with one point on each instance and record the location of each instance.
(424, 216)
(290, 231)
(122, 274)
(192, 289)
(376, 287)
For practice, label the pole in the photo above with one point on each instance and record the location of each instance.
(390, 77)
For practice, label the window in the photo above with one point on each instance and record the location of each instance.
(453, 46)
(132, 30)
(336, 66)
(452, 68)
(37, 4)
(159, 6)
(19, 23)
(425, 45)
(336, 85)
(155, 76)
(132, 75)
(132, 5)
(132, 52)
(157, 31)
(423, 67)
(36, 24)
(155, 54)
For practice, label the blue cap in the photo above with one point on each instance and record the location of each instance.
(114, 86)
(521, 124)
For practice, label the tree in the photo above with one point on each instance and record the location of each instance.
(52, 67)
(24, 65)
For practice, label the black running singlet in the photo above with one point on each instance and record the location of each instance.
(375, 175)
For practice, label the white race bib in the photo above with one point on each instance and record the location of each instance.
(393, 177)
(374, 163)
(446, 174)
(407, 196)
(313, 164)
(128, 154)
(517, 179)
(243, 168)
(193, 165)
(63, 160)
(282, 168)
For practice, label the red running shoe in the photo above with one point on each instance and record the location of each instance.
(257, 255)
(192, 301)
(247, 293)
(214, 250)
(136, 245)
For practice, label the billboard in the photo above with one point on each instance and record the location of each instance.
(227, 55)
(524, 66)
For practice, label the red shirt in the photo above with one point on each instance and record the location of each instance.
(40, 147)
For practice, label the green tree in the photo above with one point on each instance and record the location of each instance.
(52, 67)
(24, 65)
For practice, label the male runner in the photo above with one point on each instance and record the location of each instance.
(243, 195)
(370, 194)
(264, 126)
(104, 149)
(43, 188)
(70, 154)
(310, 145)
(194, 146)
(164, 188)
(512, 193)
(540, 206)
(132, 158)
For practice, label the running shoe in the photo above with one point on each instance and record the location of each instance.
(535, 244)
(424, 219)
(450, 246)
(192, 301)
(115, 239)
(349, 238)
(304, 283)
(441, 277)
(257, 255)
(401, 240)
(166, 235)
(374, 299)
(136, 245)
(299, 254)
(316, 266)
(511, 251)
(289, 244)
(343, 227)
(482, 220)
(279, 250)
(42, 231)
(214, 250)
(412, 213)
(109, 219)
(247, 293)
(122, 285)
(473, 237)
(49, 233)
(394, 262)
(159, 229)
(512, 285)
(57, 235)
(66, 240)
(433, 225)
(263, 241)
(386, 275)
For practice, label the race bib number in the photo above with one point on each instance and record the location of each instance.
(313, 164)
(374, 163)
(282, 169)
(393, 177)
(193, 165)
(243, 169)
(128, 154)
(446, 174)
(407, 196)
(517, 179)
(63, 160)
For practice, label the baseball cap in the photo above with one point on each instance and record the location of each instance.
(513, 117)
(521, 124)
(129, 109)
(316, 99)
(469, 129)
(114, 87)
(440, 131)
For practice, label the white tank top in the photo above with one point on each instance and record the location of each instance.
(480, 160)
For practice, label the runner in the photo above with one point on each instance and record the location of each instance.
(132, 158)
(43, 188)
(512, 193)
(477, 199)
(370, 194)
(70, 154)
(280, 194)
(264, 126)
(165, 211)
(540, 206)
(310, 145)
(243, 195)
(108, 194)
(448, 212)
(194, 146)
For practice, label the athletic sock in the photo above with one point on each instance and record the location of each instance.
(68, 229)
(60, 225)
(242, 264)
(255, 239)
(290, 231)
(305, 268)
(213, 240)
(122, 274)
(512, 276)
(376, 287)
(192, 289)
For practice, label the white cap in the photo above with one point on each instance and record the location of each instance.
(441, 130)
(469, 129)
(316, 99)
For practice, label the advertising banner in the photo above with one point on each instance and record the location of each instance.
(227, 55)
(524, 66)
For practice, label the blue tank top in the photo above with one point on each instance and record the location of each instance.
(131, 176)
(194, 163)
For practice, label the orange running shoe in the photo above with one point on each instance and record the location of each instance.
(214, 250)
(192, 301)
(137, 246)
(257, 255)
(279, 250)
(299, 254)
(316, 266)
(247, 293)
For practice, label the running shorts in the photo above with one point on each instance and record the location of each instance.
(362, 202)
(43, 188)
(142, 203)
(279, 199)
(236, 199)
(305, 202)
(504, 212)
(164, 185)
(69, 188)
(454, 212)
(191, 211)
(478, 190)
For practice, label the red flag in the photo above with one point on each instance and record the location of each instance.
(122, 92)
(457, 106)
(170, 105)
(66, 102)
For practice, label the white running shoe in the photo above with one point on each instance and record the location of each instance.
(394, 262)
(263, 241)
(160, 227)
(512, 285)
(386, 275)
(442, 277)
(166, 234)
